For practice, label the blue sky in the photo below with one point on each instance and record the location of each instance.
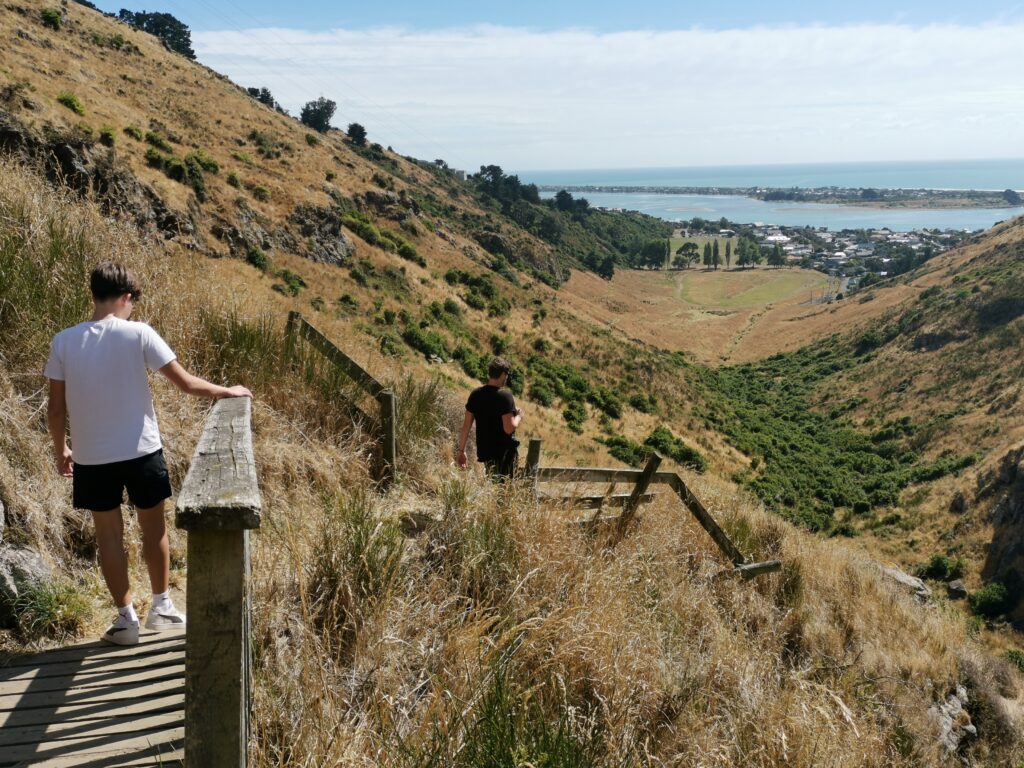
(559, 14)
(566, 84)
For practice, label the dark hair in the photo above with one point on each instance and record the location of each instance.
(111, 280)
(498, 366)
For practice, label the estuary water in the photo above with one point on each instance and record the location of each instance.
(948, 174)
(748, 210)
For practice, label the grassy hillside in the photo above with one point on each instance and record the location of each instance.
(499, 634)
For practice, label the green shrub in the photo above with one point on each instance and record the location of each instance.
(72, 102)
(990, 601)
(203, 160)
(942, 568)
(292, 283)
(155, 158)
(644, 403)
(430, 343)
(135, 132)
(243, 157)
(663, 441)
(234, 180)
(348, 303)
(312, 139)
(627, 451)
(261, 193)
(1016, 657)
(575, 413)
(107, 136)
(258, 259)
(154, 139)
(330, 175)
(52, 18)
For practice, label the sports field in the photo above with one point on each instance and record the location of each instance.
(724, 315)
(734, 289)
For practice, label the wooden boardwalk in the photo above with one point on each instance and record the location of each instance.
(94, 705)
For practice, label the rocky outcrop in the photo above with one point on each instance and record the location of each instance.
(322, 230)
(1003, 486)
(953, 720)
(911, 583)
(495, 244)
(245, 234)
(20, 568)
(72, 158)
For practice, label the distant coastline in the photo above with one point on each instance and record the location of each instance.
(979, 175)
(866, 197)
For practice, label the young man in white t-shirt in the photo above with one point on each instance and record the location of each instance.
(97, 374)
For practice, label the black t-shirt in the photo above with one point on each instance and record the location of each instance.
(488, 404)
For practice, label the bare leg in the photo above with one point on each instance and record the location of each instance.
(155, 546)
(113, 560)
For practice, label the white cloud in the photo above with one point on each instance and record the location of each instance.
(580, 99)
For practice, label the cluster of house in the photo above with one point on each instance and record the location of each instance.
(847, 253)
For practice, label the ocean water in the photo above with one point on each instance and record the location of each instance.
(933, 174)
(952, 174)
(748, 210)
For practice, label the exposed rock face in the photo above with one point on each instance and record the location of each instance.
(912, 583)
(494, 243)
(75, 160)
(244, 235)
(20, 567)
(1005, 560)
(323, 231)
(957, 590)
(954, 721)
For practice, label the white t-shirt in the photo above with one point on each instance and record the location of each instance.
(103, 365)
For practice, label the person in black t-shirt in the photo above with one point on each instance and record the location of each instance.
(497, 417)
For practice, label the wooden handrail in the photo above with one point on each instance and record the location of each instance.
(299, 326)
(218, 505)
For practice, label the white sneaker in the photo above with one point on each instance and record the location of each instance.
(122, 632)
(165, 618)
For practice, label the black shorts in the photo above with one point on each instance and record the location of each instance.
(100, 487)
(504, 466)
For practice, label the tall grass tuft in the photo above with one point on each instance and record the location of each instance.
(55, 610)
(357, 563)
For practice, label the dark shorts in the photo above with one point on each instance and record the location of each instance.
(100, 487)
(503, 467)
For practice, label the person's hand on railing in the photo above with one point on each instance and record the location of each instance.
(238, 391)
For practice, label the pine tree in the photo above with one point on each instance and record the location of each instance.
(707, 254)
(728, 254)
(716, 258)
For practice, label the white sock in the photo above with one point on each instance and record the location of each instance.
(161, 601)
(127, 614)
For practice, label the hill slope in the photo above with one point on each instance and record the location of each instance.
(410, 651)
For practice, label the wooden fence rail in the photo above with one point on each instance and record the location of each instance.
(218, 505)
(299, 326)
(642, 479)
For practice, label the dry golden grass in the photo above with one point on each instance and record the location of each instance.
(365, 658)
(373, 648)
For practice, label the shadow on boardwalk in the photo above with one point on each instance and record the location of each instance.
(95, 705)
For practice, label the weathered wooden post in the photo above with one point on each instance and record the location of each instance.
(218, 505)
(388, 425)
(289, 333)
(532, 463)
(633, 502)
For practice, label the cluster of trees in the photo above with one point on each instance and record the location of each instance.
(174, 34)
